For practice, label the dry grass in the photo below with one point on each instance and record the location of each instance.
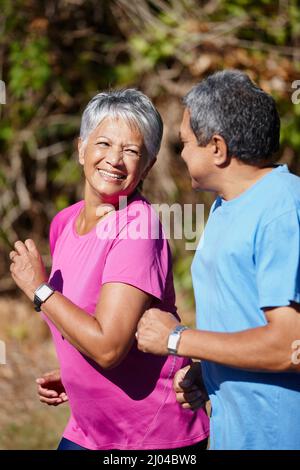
(26, 423)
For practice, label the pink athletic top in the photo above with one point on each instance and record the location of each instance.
(133, 405)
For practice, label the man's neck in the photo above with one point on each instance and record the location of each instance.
(238, 177)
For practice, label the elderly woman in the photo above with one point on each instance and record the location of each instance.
(105, 274)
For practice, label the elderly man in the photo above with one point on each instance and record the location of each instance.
(246, 273)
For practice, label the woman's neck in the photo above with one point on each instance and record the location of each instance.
(96, 207)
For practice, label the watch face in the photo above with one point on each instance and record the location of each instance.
(43, 292)
(173, 340)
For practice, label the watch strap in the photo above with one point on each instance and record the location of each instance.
(37, 301)
(174, 338)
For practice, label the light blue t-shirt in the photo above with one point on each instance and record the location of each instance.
(249, 258)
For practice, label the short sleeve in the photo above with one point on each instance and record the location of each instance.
(59, 222)
(277, 257)
(143, 263)
(53, 232)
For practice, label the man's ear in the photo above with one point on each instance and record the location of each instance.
(219, 149)
(147, 169)
(80, 147)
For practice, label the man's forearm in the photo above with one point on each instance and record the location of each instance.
(253, 349)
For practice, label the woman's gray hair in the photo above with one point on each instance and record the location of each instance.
(228, 103)
(128, 104)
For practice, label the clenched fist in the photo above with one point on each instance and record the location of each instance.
(153, 331)
(27, 267)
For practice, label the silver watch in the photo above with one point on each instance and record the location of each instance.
(41, 294)
(174, 337)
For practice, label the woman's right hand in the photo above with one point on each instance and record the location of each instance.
(50, 388)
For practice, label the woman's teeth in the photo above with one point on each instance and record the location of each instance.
(111, 175)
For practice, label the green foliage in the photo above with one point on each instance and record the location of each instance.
(2, 178)
(6, 132)
(126, 73)
(56, 59)
(67, 172)
(29, 69)
(182, 271)
(154, 47)
(61, 202)
(56, 55)
(290, 125)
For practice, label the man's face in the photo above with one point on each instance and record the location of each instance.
(199, 160)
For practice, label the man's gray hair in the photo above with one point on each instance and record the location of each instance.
(228, 103)
(132, 106)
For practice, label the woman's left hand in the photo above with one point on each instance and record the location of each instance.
(153, 331)
(27, 267)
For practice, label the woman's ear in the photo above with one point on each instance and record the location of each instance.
(219, 148)
(80, 147)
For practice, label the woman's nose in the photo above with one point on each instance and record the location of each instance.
(114, 157)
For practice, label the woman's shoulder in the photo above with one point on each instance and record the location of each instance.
(139, 205)
(59, 222)
(64, 214)
(140, 221)
(61, 219)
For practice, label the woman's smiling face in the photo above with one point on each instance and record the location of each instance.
(114, 159)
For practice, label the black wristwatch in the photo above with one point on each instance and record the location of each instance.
(41, 294)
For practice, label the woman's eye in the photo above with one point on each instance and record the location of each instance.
(103, 144)
(133, 152)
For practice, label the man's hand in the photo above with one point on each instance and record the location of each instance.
(50, 388)
(153, 331)
(27, 268)
(189, 387)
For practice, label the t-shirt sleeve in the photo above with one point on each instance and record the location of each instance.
(59, 222)
(56, 227)
(142, 263)
(277, 256)
(53, 231)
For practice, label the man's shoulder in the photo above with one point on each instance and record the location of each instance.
(283, 196)
(288, 184)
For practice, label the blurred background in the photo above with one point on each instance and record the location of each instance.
(54, 56)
